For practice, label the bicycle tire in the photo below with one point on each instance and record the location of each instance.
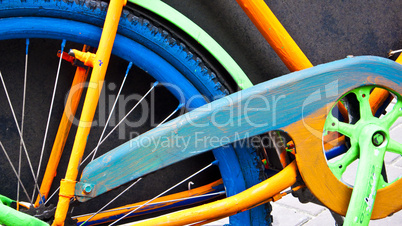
(159, 40)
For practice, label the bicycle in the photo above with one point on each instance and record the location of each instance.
(214, 89)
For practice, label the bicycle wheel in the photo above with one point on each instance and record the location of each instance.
(158, 52)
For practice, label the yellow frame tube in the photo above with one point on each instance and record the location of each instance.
(67, 185)
(73, 100)
(254, 196)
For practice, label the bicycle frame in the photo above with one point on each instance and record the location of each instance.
(276, 36)
(111, 23)
(99, 62)
(241, 106)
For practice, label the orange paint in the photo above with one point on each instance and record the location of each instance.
(377, 98)
(86, 57)
(256, 195)
(320, 180)
(343, 111)
(66, 57)
(399, 59)
(175, 197)
(90, 103)
(281, 42)
(283, 158)
(73, 99)
(333, 139)
(276, 35)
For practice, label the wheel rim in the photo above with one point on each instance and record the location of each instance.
(19, 32)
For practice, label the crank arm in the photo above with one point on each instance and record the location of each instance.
(373, 141)
(277, 104)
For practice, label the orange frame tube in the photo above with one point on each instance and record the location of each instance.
(67, 185)
(280, 41)
(276, 35)
(254, 196)
(73, 100)
(176, 197)
(286, 48)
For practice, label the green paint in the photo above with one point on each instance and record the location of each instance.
(173, 16)
(5, 200)
(367, 179)
(369, 139)
(10, 216)
(378, 139)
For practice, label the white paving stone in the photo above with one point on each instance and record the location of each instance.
(219, 222)
(398, 163)
(391, 157)
(308, 208)
(285, 216)
(325, 218)
(395, 219)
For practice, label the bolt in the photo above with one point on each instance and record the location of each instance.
(378, 139)
(87, 189)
